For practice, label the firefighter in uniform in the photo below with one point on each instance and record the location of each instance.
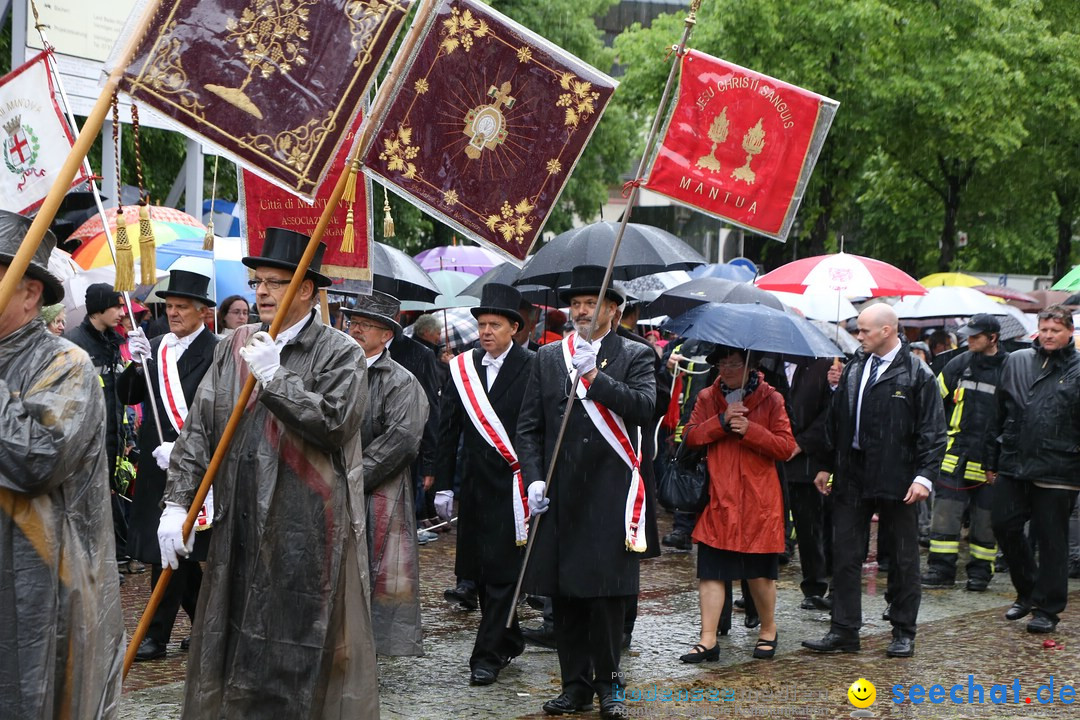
(967, 385)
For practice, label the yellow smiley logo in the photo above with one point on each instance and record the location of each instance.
(862, 693)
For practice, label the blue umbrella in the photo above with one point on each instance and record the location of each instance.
(726, 271)
(752, 327)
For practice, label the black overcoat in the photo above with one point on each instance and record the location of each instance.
(580, 546)
(150, 479)
(486, 549)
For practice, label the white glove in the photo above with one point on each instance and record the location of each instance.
(138, 345)
(161, 455)
(169, 533)
(584, 356)
(263, 356)
(538, 504)
(444, 504)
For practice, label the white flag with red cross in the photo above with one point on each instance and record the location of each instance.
(35, 139)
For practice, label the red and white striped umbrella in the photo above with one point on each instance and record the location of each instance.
(849, 275)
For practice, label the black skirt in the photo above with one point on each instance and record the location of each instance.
(715, 564)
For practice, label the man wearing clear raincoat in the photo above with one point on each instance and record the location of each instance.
(61, 629)
(283, 624)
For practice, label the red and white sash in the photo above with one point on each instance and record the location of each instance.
(176, 409)
(613, 429)
(478, 407)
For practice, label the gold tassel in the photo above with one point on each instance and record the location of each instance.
(388, 219)
(125, 259)
(349, 196)
(147, 247)
(208, 239)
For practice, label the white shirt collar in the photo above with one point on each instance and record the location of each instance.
(891, 355)
(497, 362)
(182, 343)
(375, 358)
(288, 334)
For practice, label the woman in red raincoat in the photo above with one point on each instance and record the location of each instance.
(742, 423)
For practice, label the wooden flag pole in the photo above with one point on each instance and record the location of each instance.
(679, 50)
(66, 175)
(425, 10)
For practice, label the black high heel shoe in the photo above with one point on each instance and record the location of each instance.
(702, 654)
(766, 649)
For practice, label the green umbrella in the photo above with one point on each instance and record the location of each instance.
(1071, 281)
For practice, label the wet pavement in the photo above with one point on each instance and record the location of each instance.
(960, 634)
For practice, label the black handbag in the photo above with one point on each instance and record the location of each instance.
(684, 485)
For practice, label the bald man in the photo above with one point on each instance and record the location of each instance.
(886, 434)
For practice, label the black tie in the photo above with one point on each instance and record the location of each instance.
(874, 365)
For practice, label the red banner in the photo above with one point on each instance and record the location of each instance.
(486, 125)
(266, 205)
(740, 145)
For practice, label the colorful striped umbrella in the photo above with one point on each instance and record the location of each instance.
(849, 275)
(170, 226)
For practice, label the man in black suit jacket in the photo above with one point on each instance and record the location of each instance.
(581, 557)
(189, 348)
(490, 541)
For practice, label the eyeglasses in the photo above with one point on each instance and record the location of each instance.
(730, 365)
(271, 283)
(367, 326)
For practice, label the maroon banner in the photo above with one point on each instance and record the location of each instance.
(740, 145)
(486, 125)
(266, 205)
(274, 83)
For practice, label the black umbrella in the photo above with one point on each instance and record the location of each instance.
(752, 327)
(395, 273)
(644, 250)
(507, 274)
(702, 290)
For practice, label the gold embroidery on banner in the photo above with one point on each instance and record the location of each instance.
(398, 151)
(366, 18)
(554, 167)
(512, 223)
(579, 101)
(753, 143)
(450, 197)
(485, 125)
(421, 86)
(268, 38)
(717, 133)
(461, 29)
(295, 146)
(166, 74)
(524, 54)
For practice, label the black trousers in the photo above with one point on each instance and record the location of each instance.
(954, 496)
(1044, 584)
(495, 643)
(588, 632)
(899, 523)
(808, 512)
(182, 591)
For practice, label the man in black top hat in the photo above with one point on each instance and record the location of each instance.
(285, 591)
(175, 363)
(587, 548)
(62, 628)
(482, 403)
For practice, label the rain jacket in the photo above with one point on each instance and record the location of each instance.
(746, 504)
(62, 630)
(1035, 433)
(968, 385)
(392, 427)
(283, 625)
(104, 351)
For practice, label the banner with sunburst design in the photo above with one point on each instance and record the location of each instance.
(486, 125)
(275, 84)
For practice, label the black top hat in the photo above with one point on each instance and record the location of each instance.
(980, 323)
(499, 299)
(185, 284)
(283, 249)
(13, 229)
(377, 306)
(586, 280)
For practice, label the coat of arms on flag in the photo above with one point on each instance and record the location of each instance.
(740, 145)
(486, 125)
(35, 136)
(274, 83)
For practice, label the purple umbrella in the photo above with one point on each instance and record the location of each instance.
(470, 259)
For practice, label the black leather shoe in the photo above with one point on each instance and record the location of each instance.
(150, 650)
(833, 642)
(464, 595)
(677, 540)
(816, 602)
(937, 580)
(482, 676)
(887, 615)
(752, 620)
(766, 649)
(564, 705)
(611, 709)
(1018, 610)
(185, 644)
(701, 654)
(739, 603)
(901, 647)
(977, 584)
(1041, 624)
(544, 636)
